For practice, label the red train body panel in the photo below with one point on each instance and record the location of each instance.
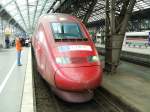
(66, 56)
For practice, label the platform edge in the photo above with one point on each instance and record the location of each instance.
(27, 99)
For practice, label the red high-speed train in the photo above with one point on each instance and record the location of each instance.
(66, 57)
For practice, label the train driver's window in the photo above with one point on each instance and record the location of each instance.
(66, 31)
(71, 30)
(57, 27)
(57, 30)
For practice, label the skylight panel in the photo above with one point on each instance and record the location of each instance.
(10, 8)
(4, 2)
(141, 5)
(21, 2)
(32, 3)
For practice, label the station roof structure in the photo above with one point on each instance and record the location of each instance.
(99, 10)
(27, 12)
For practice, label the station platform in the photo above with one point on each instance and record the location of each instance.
(142, 50)
(12, 79)
(137, 50)
(131, 84)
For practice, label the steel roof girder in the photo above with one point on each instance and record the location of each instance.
(40, 11)
(52, 6)
(89, 11)
(18, 9)
(65, 5)
(35, 11)
(43, 7)
(3, 7)
(28, 13)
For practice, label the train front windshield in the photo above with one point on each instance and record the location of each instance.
(67, 31)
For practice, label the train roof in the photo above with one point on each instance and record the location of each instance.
(55, 17)
(146, 33)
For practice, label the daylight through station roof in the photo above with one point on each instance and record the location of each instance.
(27, 12)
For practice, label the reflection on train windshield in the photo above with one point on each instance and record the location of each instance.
(66, 31)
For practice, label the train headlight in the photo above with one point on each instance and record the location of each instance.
(62, 60)
(93, 58)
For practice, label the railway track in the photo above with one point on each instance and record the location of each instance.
(140, 59)
(46, 101)
(103, 101)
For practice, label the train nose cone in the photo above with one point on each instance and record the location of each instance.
(78, 79)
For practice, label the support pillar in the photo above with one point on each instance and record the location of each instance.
(116, 25)
(113, 47)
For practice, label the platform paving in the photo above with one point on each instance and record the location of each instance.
(11, 80)
(28, 94)
(131, 83)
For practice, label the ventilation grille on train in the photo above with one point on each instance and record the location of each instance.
(78, 60)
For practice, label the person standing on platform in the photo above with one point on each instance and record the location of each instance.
(7, 42)
(18, 49)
